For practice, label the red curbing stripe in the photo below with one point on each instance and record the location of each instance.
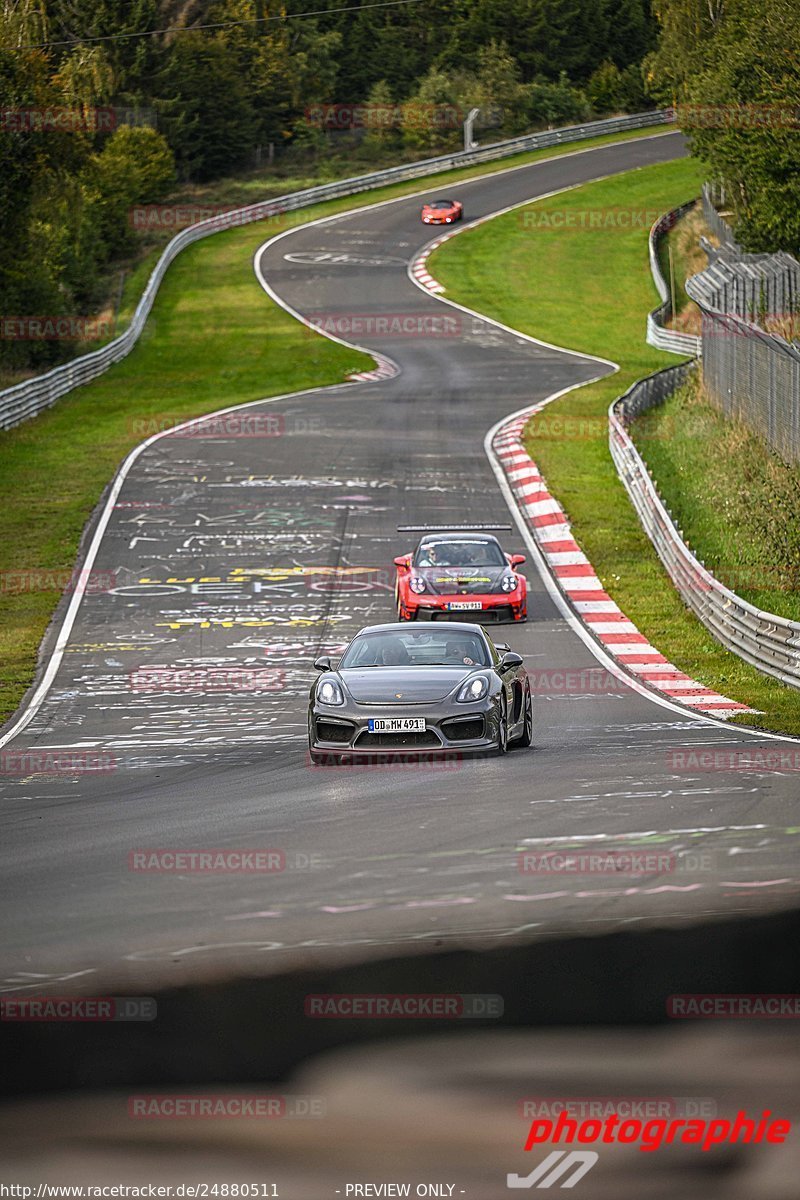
(655, 657)
(623, 639)
(548, 519)
(574, 571)
(584, 594)
(567, 546)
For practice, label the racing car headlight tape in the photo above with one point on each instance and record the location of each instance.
(329, 692)
(417, 584)
(474, 689)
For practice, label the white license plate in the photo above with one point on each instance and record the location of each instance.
(397, 724)
(464, 605)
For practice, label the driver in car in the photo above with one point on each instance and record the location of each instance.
(454, 653)
(395, 654)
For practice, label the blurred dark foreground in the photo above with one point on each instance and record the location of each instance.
(429, 1103)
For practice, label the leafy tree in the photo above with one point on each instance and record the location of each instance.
(498, 87)
(631, 32)
(733, 68)
(554, 104)
(380, 118)
(432, 106)
(135, 166)
(604, 89)
(685, 46)
(208, 119)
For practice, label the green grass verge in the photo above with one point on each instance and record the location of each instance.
(590, 289)
(742, 522)
(213, 339)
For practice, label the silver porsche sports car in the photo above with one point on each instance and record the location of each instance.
(401, 689)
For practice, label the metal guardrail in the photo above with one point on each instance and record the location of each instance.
(766, 641)
(26, 399)
(657, 334)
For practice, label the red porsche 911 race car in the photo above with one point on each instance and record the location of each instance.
(462, 574)
(442, 212)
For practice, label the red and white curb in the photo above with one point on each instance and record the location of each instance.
(419, 265)
(385, 369)
(576, 578)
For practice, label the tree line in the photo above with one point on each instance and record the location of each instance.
(170, 91)
(732, 69)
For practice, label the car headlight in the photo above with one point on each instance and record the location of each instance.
(508, 583)
(417, 584)
(329, 692)
(473, 689)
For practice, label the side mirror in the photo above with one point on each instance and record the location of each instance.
(517, 560)
(510, 661)
(402, 562)
(323, 664)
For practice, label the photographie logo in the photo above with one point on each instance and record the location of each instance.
(574, 1164)
(386, 325)
(224, 1105)
(58, 119)
(652, 1134)
(414, 1006)
(78, 1008)
(55, 328)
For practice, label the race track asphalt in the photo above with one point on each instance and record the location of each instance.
(221, 550)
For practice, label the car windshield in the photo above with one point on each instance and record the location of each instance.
(417, 648)
(442, 203)
(469, 553)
